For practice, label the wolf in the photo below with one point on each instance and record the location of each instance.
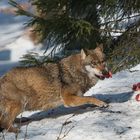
(51, 85)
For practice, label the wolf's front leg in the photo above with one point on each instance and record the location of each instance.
(73, 100)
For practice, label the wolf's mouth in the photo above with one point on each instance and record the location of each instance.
(102, 77)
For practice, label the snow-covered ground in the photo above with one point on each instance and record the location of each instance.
(120, 121)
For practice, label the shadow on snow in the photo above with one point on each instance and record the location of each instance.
(61, 110)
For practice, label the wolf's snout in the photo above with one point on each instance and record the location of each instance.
(107, 74)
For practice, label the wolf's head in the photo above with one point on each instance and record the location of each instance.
(94, 63)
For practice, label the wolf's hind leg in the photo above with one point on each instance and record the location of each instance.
(1, 129)
(12, 109)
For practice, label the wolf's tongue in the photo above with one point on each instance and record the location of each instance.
(109, 75)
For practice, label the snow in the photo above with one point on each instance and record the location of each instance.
(20, 47)
(120, 121)
(14, 42)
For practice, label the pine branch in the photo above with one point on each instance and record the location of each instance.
(20, 10)
(120, 20)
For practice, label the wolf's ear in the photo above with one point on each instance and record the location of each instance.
(99, 47)
(83, 54)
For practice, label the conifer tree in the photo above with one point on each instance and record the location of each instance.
(76, 24)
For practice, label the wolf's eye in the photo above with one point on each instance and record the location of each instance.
(103, 62)
(93, 64)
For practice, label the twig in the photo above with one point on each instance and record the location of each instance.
(121, 62)
(62, 127)
(19, 127)
(26, 132)
(66, 133)
(3, 136)
(133, 71)
(11, 10)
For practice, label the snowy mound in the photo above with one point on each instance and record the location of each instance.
(120, 121)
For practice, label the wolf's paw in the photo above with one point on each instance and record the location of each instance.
(104, 105)
(16, 130)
